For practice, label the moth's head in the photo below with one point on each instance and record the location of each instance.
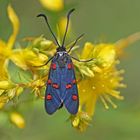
(61, 49)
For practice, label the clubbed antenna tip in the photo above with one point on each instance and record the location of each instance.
(67, 25)
(46, 19)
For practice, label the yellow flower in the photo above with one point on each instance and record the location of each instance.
(5, 51)
(104, 81)
(34, 55)
(17, 119)
(5, 48)
(8, 89)
(81, 120)
(26, 58)
(54, 5)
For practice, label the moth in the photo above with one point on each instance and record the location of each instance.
(61, 84)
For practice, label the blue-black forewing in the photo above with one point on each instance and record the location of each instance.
(52, 95)
(62, 77)
(70, 92)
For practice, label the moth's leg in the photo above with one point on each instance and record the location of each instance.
(45, 63)
(75, 42)
(82, 60)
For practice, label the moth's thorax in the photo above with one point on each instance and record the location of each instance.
(61, 58)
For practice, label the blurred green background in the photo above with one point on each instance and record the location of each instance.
(100, 20)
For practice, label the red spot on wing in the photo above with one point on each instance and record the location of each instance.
(49, 97)
(70, 65)
(68, 86)
(49, 81)
(74, 81)
(53, 66)
(74, 97)
(55, 85)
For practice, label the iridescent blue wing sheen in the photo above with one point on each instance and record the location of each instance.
(69, 91)
(52, 95)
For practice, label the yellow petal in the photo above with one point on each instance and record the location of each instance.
(87, 50)
(37, 60)
(17, 119)
(123, 43)
(54, 5)
(90, 105)
(3, 70)
(4, 51)
(2, 45)
(26, 58)
(80, 121)
(105, 54)
(15, 22)
(86, 71)
(6, 85)
(75, 121)
(97, 69)
(18, 59)
(19, 90)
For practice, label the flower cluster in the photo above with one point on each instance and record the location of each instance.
(27, 58)
(100, 79)
(97, 79)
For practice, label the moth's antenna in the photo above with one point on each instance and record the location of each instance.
(46, 19)
(77, 39)
(67, 25)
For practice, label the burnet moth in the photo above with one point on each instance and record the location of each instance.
(61, 85)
